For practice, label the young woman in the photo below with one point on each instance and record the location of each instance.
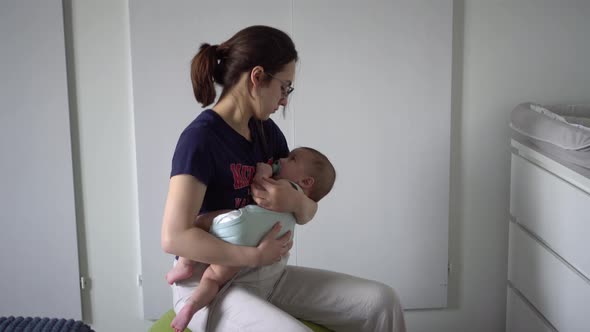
(212, 169)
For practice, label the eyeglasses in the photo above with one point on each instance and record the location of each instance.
(286, 86)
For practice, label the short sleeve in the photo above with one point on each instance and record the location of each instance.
(193, 155)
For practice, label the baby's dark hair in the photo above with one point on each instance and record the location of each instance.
(323, 173)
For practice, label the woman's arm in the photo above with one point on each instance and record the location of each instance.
(281, 197)
(181, 238)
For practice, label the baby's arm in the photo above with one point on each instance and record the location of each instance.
(265, 171)
(289, 183)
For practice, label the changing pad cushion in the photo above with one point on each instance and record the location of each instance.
(248, 225)
(565, 126)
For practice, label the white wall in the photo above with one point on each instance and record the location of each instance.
(36, 184)
(505, 52)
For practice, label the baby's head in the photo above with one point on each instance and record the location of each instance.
(310, 169)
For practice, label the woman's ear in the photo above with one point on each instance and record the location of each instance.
(256, 76)
(306, 182)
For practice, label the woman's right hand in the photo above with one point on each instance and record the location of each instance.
(270, 249)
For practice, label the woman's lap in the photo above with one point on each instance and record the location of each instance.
(241, 309)
(338, 301)
(242, 306)
(267, 299)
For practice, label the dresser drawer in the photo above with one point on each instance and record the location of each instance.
(520, 317)
(554, 210)
(558, 292)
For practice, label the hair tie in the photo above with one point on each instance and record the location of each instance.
(216, 50)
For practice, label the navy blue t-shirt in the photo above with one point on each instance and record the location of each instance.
(225, 161)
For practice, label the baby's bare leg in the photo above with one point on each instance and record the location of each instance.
(184, 267)
(213, 279)
(182, 270)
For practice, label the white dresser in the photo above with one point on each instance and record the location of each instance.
(549, 247)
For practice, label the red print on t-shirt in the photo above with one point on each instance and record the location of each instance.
(243, 175)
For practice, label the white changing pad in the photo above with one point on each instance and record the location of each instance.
(559, 131)
(565, 126)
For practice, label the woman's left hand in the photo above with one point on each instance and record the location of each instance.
(275, 195)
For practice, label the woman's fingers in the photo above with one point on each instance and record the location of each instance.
(273, 248)
(287, 247)
(257, 187)
(258, 193)
(266, 182)
(287, 243)
(264, 186)
(272, 234)
(285, 238)
(274, 195)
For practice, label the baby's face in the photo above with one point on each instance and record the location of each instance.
(293, 167)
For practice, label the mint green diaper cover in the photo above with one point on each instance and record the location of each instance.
(248, 225)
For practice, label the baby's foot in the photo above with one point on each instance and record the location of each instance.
(180, 322)
(179, 272)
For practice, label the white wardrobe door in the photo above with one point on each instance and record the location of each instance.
(38, 243)
(373, 93)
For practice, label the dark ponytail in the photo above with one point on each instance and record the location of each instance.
(224, 64)
(203, 72)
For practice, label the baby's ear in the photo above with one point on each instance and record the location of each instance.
(307, 182)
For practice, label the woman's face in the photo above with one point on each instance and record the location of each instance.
(274, 93)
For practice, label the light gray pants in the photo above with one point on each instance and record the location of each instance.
(266, 299)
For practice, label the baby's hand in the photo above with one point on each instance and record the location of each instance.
(263, 170)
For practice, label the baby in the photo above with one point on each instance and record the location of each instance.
(306, 170)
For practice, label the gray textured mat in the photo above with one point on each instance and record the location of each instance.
(36, 324)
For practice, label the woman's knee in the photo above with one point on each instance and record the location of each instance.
(384, 310)
(381, 297)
